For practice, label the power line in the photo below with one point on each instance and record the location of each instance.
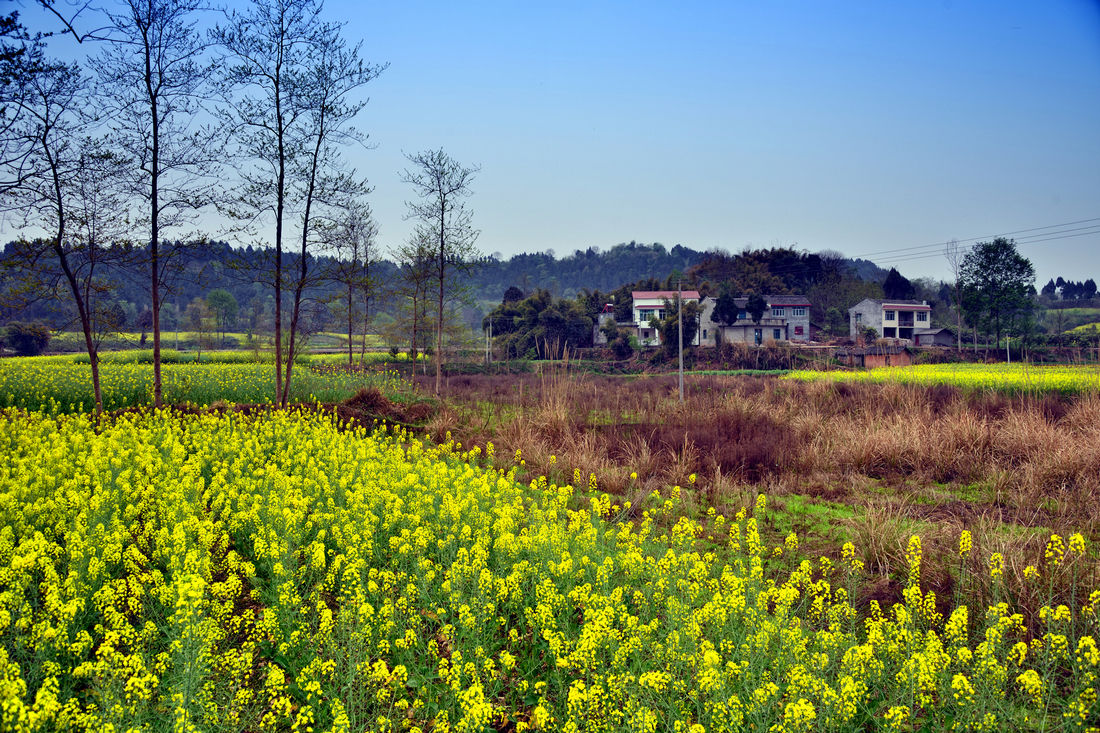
(967, 249)
(919, 252)
(976, 239)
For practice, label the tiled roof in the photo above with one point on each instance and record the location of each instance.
(659, 294)
(783, 301)
(872, 350)
(786, 300)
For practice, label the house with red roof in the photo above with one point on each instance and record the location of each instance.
(649, 305)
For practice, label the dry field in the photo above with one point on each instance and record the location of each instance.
(870, 463)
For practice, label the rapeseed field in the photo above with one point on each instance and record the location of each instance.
(1013, 378)
(64, 385)
(281, 572)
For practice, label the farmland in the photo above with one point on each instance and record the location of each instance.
(63, 384)
(569, 553)
(73, 341)
(1010, 378)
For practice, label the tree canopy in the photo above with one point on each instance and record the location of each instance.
(997, 284)
(540, 326)
(897, 287)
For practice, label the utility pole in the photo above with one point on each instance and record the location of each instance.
(680, 325)
(489, 343)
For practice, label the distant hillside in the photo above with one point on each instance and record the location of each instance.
(591, 269)
(196, 270)
(866, 270)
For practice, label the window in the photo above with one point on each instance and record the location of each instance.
(704, 334)
(645, 314)
(888, 316)
(777, 334)
(777, 312)
(742, 315)
(798, 311)
(798, 331)
(859, 317)
(922, 316)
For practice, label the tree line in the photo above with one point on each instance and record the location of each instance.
(176, 111)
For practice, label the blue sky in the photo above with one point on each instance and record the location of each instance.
(861, 127)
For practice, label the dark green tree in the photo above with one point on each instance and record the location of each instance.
(540, 326)
(836, 322)
(756, 306)
(670, 328)
(997, 283)
(27, 339)
(619, 340)
(725, 307)
(897, 287)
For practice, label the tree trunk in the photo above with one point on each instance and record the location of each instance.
(154, 231)
(279, 295)
(439, 312)
(280, 203)
(70, 277)
(959, 326)
(81, 308)
(416, 313)
(366, 307)
(351, 343)
(439, 344)
(300, 287)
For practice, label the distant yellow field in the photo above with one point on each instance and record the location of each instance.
(1066, 379)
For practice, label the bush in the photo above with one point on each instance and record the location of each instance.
(27, 339)
(622, 347)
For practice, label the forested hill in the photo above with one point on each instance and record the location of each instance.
(591, 269)
(196, 270)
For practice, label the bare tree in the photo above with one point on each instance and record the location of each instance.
(200, 319)
(154, 81)
(292, 83)
(68, 185)
(351, 241)
(954, 257)
(415, 259)
(442, 185)
(267, 48)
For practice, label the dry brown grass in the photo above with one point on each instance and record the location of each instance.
(1038, 453)
(912, 459)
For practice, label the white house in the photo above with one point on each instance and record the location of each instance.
(891, 319)
(650, 304)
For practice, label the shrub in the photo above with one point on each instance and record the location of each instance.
(27, 339)
(621, 346)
